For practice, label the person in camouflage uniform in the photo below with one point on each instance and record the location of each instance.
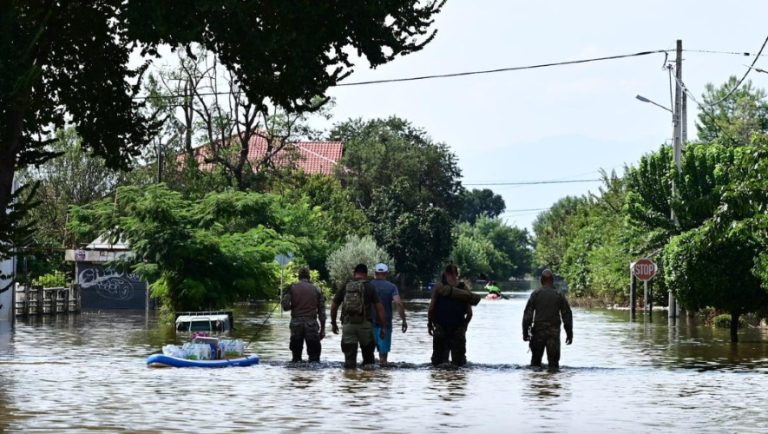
(541, 322)
(307, 305)
(358, 301)
(449, 314)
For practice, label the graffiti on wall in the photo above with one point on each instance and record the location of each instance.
(110, 284)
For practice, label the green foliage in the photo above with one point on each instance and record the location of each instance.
(69, 63)
(477, 203)
(355, 251)
(711, 268)
(735, 120)
(492, 249)
(380, 152)
(418, 236)
(555, 229)
(207, 253)
(56, 279)
(724, 321)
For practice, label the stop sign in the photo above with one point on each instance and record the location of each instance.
(644, 269)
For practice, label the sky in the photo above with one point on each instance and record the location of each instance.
(560, 123)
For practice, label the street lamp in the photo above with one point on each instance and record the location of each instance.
(644, 99)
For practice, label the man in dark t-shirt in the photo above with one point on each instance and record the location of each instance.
(357, 300)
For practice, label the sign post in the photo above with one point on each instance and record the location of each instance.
(283, 260)
(644, 269)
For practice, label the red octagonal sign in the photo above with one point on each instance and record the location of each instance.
(644, 269)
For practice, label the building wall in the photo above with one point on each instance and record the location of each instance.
(104, 288)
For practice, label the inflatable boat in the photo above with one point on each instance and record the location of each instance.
(493, 296)
(163, 361)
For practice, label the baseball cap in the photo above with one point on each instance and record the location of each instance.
(381, 268)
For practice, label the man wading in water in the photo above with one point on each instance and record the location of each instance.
(357, 301)
(546, 306)
(450, 312)
(307, 306)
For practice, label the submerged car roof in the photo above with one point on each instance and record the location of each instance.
(212, 317)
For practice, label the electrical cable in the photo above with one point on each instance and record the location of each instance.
(448, 75)
(507, 69)
(572, 181)
(743, 77)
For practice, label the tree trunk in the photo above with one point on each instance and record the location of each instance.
(734, 326)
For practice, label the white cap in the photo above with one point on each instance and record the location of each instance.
(381, 268)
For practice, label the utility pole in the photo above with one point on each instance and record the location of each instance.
(677, 133)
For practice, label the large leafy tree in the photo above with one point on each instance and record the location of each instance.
(555, 229)
(69, 62)
(732, 120)
(478, 203)
(417, 235)
(379, 152)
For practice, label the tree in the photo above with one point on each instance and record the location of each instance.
(65, 60)
(417, 235)
(71, 178)
(379, 152)
(555, 228)
(356, 250)
(732, 121)
(711, 267)
(207, 253)
(478, 203)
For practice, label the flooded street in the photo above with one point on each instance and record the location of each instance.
(87, 372)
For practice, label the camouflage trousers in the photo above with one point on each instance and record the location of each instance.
(449, 341)
(352, 335)
(545, 338)
(305, 330)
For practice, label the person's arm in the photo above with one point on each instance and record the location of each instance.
(401, 311)
(321, 312)
(337, 299)
(286, 301)
(382, 318)
(567, 316)
(528, 316)
(431, 311)
(468, 316)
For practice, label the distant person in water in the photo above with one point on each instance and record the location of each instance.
(544, 311)
(492, 288)
(450, 312)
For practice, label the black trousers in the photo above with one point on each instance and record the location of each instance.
(546, 339)
(449, 341)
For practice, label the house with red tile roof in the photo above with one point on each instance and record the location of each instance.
(319, 157)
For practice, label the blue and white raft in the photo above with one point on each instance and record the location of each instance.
(163, 361)
(204, 352)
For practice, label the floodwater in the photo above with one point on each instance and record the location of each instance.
(87, 372)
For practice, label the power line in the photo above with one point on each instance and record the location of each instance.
(507, 69)
(743, 77)
(737, 53)
(448, 75)
(572, 181)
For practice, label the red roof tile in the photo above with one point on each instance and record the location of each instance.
(311, 157)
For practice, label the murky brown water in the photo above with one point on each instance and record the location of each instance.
(87, 372)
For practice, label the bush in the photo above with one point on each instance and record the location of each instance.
(57, 279)
(724, 321)
(355, 251)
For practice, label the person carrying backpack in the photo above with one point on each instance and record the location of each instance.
(356, 300)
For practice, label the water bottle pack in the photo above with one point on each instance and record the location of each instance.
(231, 348)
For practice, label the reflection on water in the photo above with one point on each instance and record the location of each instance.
(85, 372)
